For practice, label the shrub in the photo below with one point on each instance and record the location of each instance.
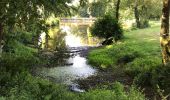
(143, 24)
(20, 56)
(115, 91)
(142, 65)
(161, 77)
(107, 27)
(97, 9)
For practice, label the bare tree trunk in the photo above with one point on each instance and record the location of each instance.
(164, 34)
(136, 13)
(117, 9)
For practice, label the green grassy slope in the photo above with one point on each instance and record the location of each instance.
(139, 51)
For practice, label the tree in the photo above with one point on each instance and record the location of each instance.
(83, 11)
(29, 15)
(142, 10)
(98, 9)
(136, 13)
(164, 33)
(117, 9)
(108, 28)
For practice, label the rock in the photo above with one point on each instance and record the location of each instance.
(68, 64)
(108, 41)
(76, 88)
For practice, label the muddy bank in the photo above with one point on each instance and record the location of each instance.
(105, 78)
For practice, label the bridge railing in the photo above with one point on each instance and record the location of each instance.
(77, 20)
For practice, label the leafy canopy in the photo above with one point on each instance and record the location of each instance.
(30, 15)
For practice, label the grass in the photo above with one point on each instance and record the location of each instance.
(139, 56)
(139, 51)
(23, 86)
(16, 82)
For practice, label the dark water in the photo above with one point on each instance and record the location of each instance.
(78, 41)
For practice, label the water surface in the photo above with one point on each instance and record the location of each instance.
(77, 40)
(68, 73)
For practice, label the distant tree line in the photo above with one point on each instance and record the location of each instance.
(140, 10)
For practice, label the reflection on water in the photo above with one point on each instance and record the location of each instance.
(67, 74)
(70, 35)
(72, 40)
(79, 35)
(78, 38)
(67, 35)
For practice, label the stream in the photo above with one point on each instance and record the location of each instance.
(76, 66)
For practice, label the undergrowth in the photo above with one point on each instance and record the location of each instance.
(16, 82)
(139, 55)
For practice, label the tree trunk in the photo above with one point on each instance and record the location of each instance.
(164, 34)
(46, 40)
(169, 17)
(136, 13)
(1, 32)
(117, 9)
(1, 38)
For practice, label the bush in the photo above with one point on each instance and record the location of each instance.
(20, 56)
(107, 27)
(115, 91)
(142, 65)
(161, 77)
(23, 86)
(143, 24)
(21, 36)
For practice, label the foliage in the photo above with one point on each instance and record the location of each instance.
(114, 91)
(157, 77)
(143, 24)
(30, 10)
(20, 58)
(161, 77)
(139, 56)
(107, 27)
(24, 86)
(23, 37)
(147, 9)
(136, 44)
(17, 83)
(97, 9)
(93, 9)
(29, 16)
(150, 9)
(83, 11)
(146, 66)
(22, 20)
